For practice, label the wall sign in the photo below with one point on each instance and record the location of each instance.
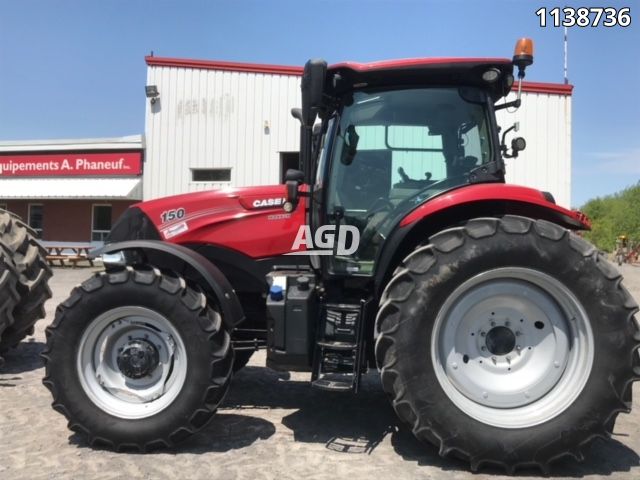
(71, 164)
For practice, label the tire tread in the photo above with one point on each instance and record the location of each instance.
(392, 304)
(208, 320)
(29, 258)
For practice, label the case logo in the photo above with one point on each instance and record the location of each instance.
(268, 202)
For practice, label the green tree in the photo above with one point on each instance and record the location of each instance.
(614, 215)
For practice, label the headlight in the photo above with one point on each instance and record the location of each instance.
(116, 259)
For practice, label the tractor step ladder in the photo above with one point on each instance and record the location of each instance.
(339, 349)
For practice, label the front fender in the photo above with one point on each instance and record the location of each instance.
(188, 263)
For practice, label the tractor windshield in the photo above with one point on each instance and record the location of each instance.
(393, 149)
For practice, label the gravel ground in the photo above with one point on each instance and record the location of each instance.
(271, 425)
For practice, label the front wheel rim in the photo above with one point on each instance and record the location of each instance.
(112, 375)
(512, 347)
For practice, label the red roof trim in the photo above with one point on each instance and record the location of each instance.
(544, 87)
(532, 87)
(226, 66)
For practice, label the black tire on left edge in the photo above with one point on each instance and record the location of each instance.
(34, 273)
(8, 293)
(208, 352)
(420, 289)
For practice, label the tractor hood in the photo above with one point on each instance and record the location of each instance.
(248, 219)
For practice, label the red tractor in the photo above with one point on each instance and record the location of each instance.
(500, 335)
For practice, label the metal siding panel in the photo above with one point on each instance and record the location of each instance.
(216, 119)
(545, 122)
(568, 147)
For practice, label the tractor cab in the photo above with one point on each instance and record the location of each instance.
(390, 150)
(389, 136)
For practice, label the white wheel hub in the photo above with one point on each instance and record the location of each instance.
(131, 362)
(512, 347)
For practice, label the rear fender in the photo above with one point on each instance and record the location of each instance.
(187, 263)
(523, 198)
(461, 205)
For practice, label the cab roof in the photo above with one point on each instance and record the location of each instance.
(346, 76)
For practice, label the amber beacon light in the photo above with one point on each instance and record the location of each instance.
(523, 53)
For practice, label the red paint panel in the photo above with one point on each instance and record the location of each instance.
(250, 220)
(485, 192)
(256, 233)
(412, 62)
(77, 164)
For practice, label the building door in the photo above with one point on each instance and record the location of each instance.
(36, 213)
(100, 222)
(288, 160)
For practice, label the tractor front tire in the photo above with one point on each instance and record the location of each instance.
(29, 258)
(137, 359)
(242, 357)
(508, 342)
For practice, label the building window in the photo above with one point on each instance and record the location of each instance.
(100, 222)
(36, 214)
(211, 174)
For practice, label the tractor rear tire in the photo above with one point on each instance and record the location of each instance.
(532, 301)
(137, 359)
(34, 273)
(9, 297)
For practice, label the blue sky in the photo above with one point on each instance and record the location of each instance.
(72, 69)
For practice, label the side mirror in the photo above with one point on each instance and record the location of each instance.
(292, 180)
(518, 144)
(297, 114)
(312, 88)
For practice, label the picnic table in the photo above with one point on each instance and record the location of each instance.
(70, 253)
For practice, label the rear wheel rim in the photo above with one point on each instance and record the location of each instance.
(125, 385)
(512, 347)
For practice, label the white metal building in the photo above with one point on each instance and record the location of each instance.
(218, 124)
